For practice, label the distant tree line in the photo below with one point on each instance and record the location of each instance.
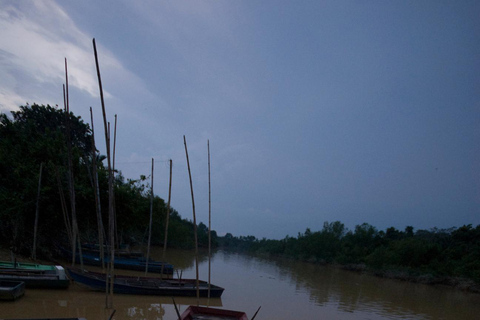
(431, 256)
(36, 135)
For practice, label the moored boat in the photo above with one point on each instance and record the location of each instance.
(204, 313)
(35, 275)
(145, 285)
(124, 250)
(11, 290)
(127, 263)
(27, 266)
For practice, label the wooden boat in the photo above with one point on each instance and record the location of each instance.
(11, 290)
(124, 250)
(26, 266)
(145, 285)
(204, 313)
(127, 263)
(35, 275)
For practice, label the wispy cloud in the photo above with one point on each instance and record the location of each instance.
(36, 37)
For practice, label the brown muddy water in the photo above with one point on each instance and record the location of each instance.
(283, 289)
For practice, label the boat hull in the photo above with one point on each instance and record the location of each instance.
(126, 263)
(36, 276)
(145, 285)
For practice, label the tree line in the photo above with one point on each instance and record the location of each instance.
(431, 256)
(36, 136)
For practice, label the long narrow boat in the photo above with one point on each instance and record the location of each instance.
(204, 313)
(123, 251)
(35, 275)
(145, 285)
(26, 266)
(11, 290)
(127, 263)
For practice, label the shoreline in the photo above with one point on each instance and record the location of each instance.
(457, 283)
(462, 284)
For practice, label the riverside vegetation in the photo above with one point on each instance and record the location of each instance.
(435, 256)
(37, 134)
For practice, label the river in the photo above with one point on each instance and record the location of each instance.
(283, 289)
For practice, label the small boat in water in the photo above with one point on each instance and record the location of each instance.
(124, 250)
(27, 266)
(126, 263)
(204, 313)
(145, 285)
(34, 275)
(11, 290)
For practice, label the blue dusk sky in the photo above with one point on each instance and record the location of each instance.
(356, 111)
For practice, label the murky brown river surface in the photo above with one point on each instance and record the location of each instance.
(283, 289)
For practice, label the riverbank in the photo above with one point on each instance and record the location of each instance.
(462, 284)
(403, 275)
(458, 283)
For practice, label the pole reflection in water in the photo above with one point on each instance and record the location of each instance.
(284, 289)
(79, 302)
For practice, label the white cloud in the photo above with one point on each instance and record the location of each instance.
(36, 38)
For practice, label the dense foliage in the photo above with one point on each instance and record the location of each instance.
(36, 135)
(430, 255)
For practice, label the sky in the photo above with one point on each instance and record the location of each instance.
(315, 111)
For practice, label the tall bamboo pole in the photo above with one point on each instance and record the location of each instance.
(209, 223)
(114, 142)
(194, 220)
(110, 279)
(70, 183)
(34, 251)
(150, 224)
(97, 196)
(71, 180)
(113, 172)
(167, 218)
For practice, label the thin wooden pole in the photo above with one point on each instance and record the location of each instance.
(113, 172)
(176, 309)
(98, 206)
(70, 183)
(34, 251)
(114, 141)
(209, 223)
(255, 315)
(194, 220)
(76, 236)
(110, 279)
(167, 218)
(150, 224)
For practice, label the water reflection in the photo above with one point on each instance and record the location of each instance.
(80, 302)
(285, 290)
(354, 293)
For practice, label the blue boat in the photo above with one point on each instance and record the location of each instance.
(131, 263)
(145, 285)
